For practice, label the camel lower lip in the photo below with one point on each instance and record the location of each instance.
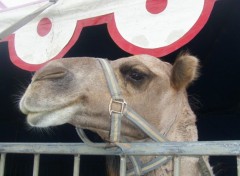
(35, 118)
(33, 114)
(54, 117)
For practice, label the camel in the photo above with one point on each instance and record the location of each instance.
(75, 91)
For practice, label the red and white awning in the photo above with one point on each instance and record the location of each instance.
(156, 27)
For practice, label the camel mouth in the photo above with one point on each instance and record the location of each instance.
(33, 118)
(49, 118)
(37, 119)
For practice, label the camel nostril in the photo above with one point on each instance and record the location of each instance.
(51, 73)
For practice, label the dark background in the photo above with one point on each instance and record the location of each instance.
(215, 96)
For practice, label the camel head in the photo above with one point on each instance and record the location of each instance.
(74, 90)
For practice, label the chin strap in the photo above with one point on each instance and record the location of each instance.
(124, 110)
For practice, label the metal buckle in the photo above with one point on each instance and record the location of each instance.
(121, 102)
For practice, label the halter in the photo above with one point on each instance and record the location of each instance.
(116, 116)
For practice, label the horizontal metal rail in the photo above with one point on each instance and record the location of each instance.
(175, 149)
(219, 148)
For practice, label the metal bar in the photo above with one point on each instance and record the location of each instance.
(76, 165)
(123, 165)
(238, 165)
(220, 148)
(36, 164)
(2, 6)
(176, 166)
(24, 21)
(213, 148)
(2, 163)
(57, 148)
(21, 6)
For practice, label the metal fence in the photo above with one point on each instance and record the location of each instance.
(175, 149)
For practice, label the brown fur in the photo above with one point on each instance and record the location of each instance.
(113, 165)
(185, 70)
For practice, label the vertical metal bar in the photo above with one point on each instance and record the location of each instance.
(176, 166)
(76, 165)
(36, 164)
(2, 163)
(122, 165)
(238, 165)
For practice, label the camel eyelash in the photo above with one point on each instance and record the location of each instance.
(135, 75)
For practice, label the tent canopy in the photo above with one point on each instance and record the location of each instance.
(51, 28)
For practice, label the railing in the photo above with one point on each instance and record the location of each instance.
(175, 149)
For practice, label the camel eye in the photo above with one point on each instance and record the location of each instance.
(136, 75)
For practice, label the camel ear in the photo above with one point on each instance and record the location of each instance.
(184, 71)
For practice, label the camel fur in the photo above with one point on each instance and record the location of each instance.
(74, 90)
